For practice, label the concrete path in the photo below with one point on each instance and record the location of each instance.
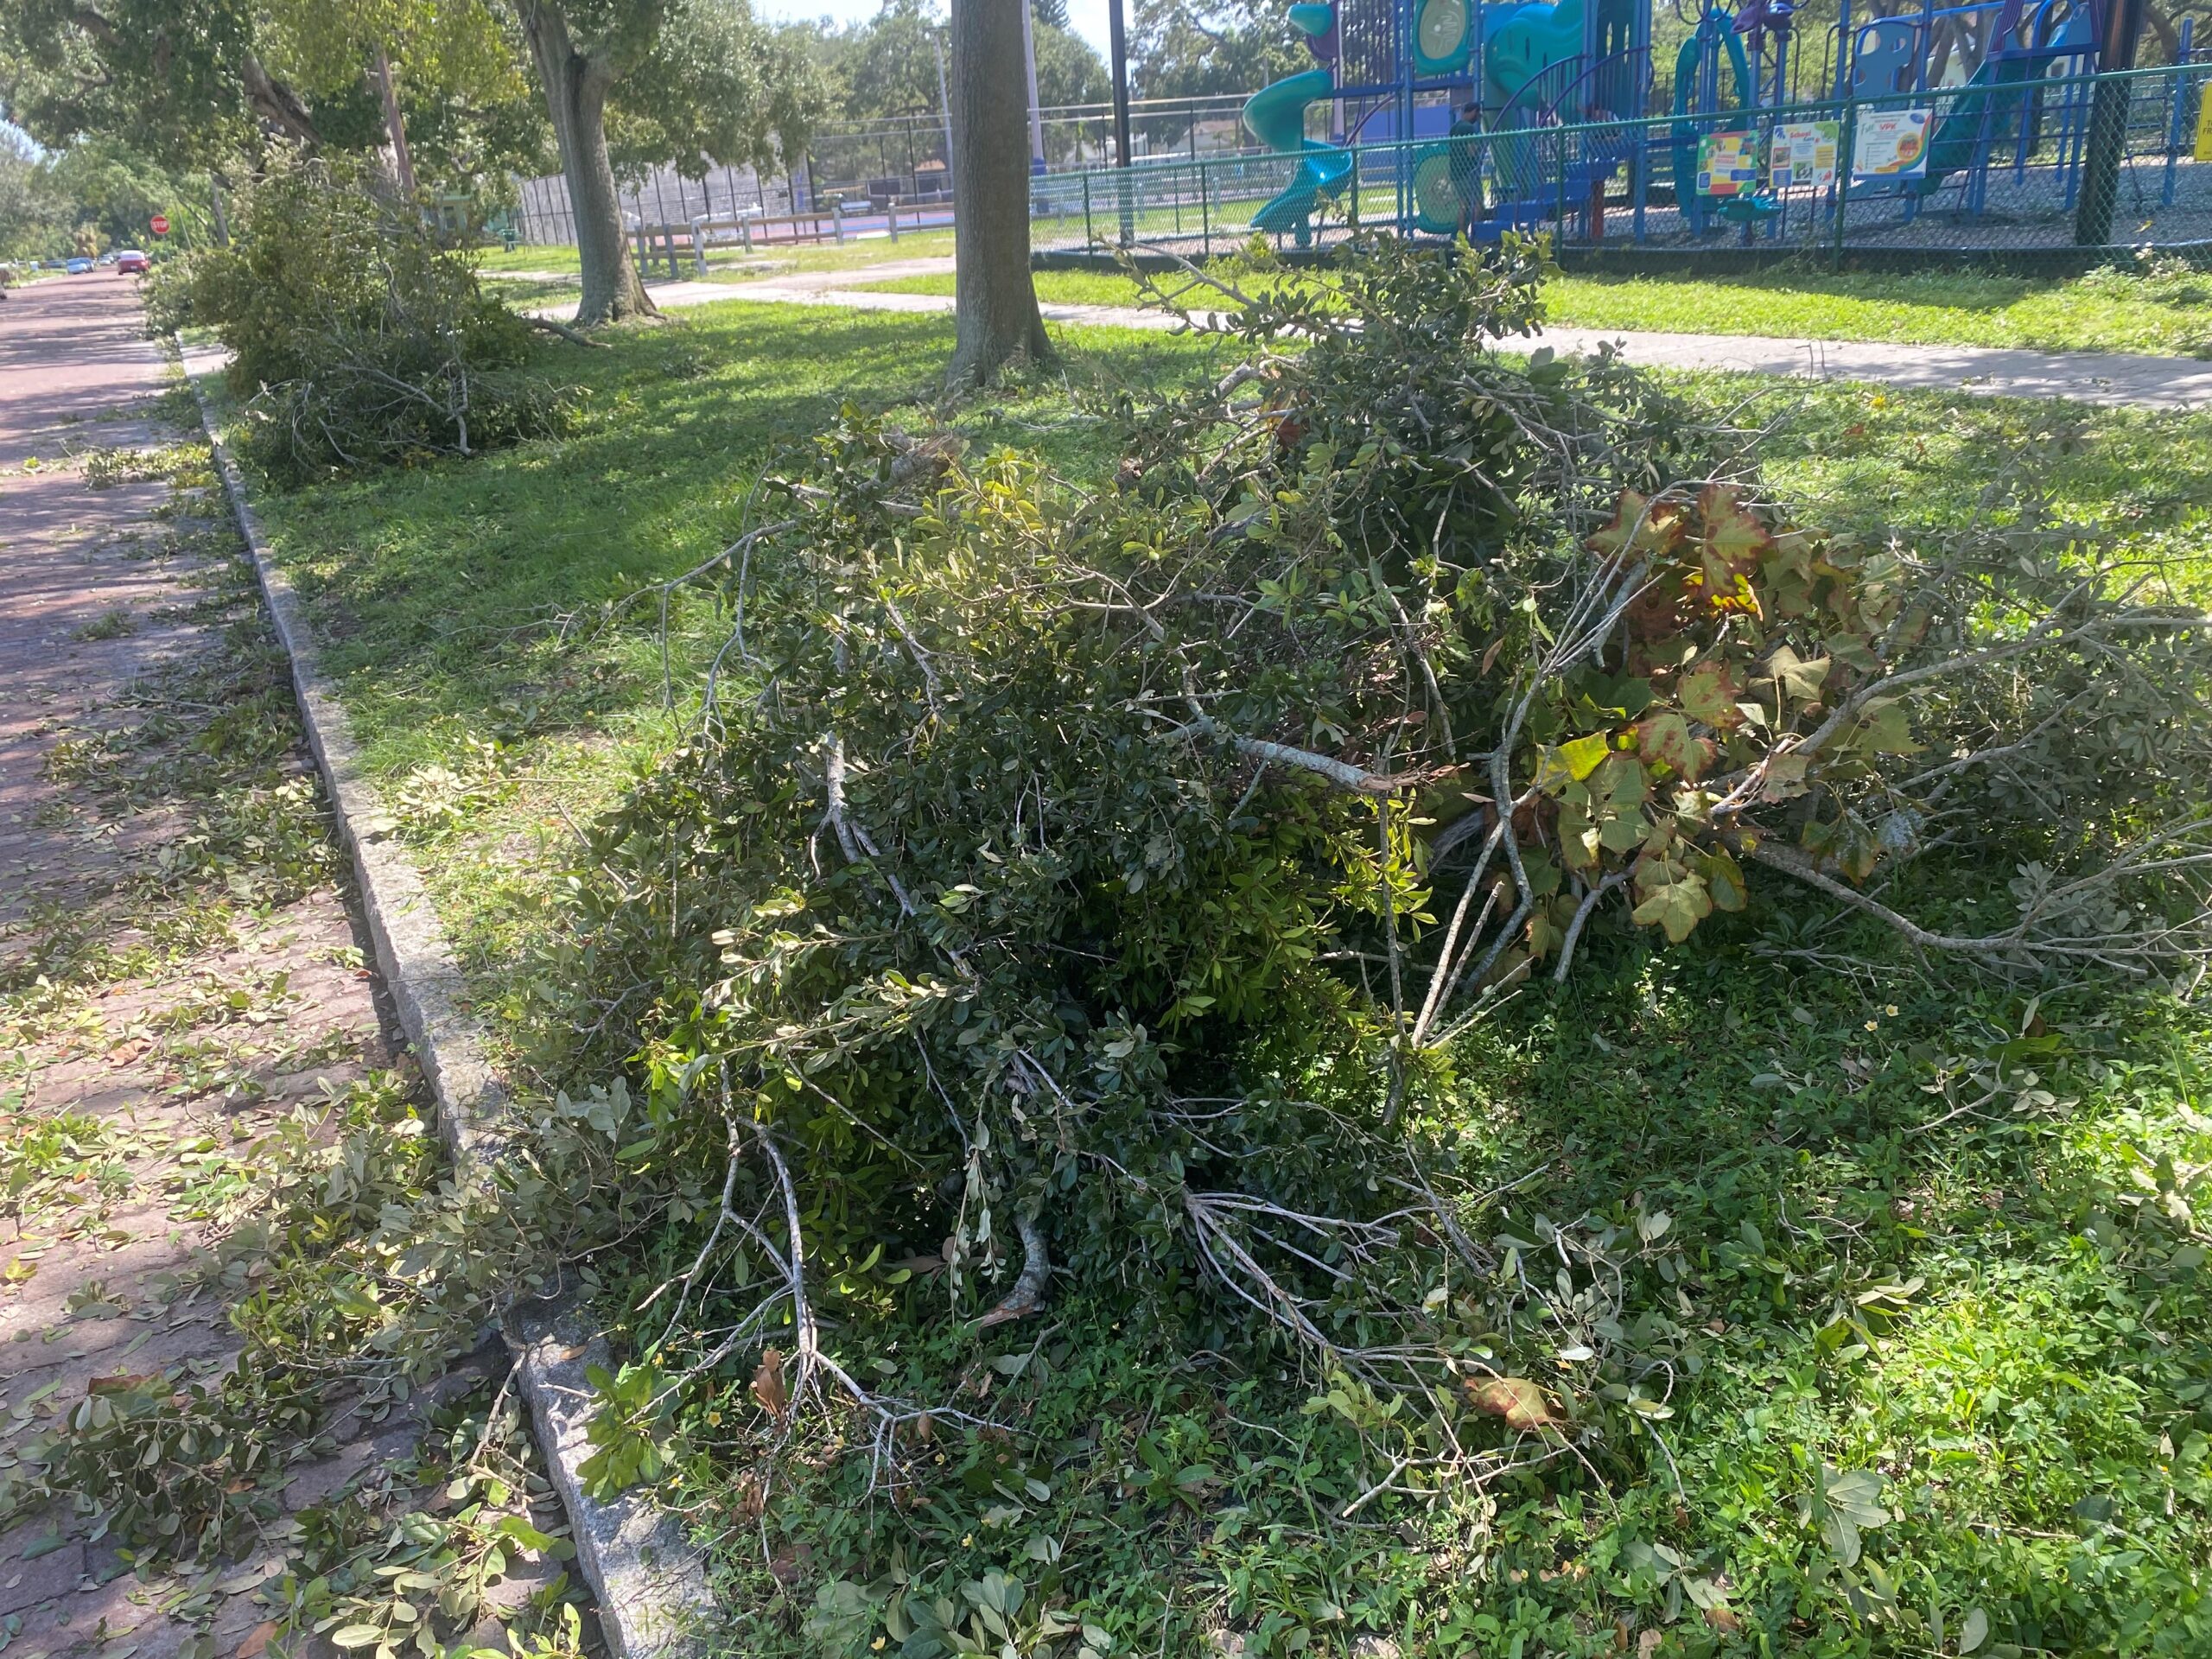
(2116, 379)
(180, 974)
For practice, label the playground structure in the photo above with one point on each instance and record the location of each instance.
(1692, 120)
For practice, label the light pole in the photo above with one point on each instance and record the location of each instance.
(944, 107)
(1117, 37)
(1118, 42)
(1036, 121)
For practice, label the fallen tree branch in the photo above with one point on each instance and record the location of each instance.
(1028, 1295)
(1342, 773)
(571, 335)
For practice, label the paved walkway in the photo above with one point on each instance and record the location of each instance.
(179, 973)
(2117, 378)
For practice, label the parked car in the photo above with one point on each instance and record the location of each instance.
(78, 266)
(131, 262)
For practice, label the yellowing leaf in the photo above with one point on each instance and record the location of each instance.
(1517, 1400)
(1732, 533)
(1582, 756)
(1665, 737)
(1707, 693)
(1638, 523)
(1677, 907)
(1799, 679)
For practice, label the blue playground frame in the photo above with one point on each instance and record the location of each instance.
(1551, 104)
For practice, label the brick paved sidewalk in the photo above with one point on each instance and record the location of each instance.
(182, 989)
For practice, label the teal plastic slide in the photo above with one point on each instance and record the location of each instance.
(1996, 94)
(1275, 115)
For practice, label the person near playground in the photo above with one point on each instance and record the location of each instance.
(1466, 160)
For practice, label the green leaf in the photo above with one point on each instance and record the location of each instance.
(1800, 680)
(1885, 729)
(1842, 1538)
(356, 1636)
(1724, 877)
(1858, 1494)
(1974, 1631)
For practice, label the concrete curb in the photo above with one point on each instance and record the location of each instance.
(650, 1583)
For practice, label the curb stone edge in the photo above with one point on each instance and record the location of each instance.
(650, 1582)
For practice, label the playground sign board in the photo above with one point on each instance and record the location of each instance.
(1890, 145)
(2203, 149)
(1803, 153)
(1728, 163)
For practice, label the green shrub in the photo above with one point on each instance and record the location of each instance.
(359, 333)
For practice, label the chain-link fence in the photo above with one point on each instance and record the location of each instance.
(2040, 161)
(866, 168)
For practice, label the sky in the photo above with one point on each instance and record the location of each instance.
(1089, 16)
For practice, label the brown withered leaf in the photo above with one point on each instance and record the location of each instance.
(768, 1383)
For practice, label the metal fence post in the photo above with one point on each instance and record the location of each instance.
(1087, 234)
(1205, 206)
(1844, 152)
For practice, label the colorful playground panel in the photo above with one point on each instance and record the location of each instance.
(1498, 115)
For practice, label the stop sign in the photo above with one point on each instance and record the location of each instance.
(161, 224)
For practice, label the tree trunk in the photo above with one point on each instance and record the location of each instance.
(403, 165)
(995, 302)
(277, 104)
(575, 98)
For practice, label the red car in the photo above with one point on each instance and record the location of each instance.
(131, 262)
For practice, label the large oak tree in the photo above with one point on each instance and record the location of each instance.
(695, 82)
(996, 322)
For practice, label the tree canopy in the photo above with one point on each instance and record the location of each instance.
(1191, 49)
(887, 65)
(201, 86)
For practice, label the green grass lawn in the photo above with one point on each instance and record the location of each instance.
(731, 262)
(2035, 1391)
(2107, 310)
